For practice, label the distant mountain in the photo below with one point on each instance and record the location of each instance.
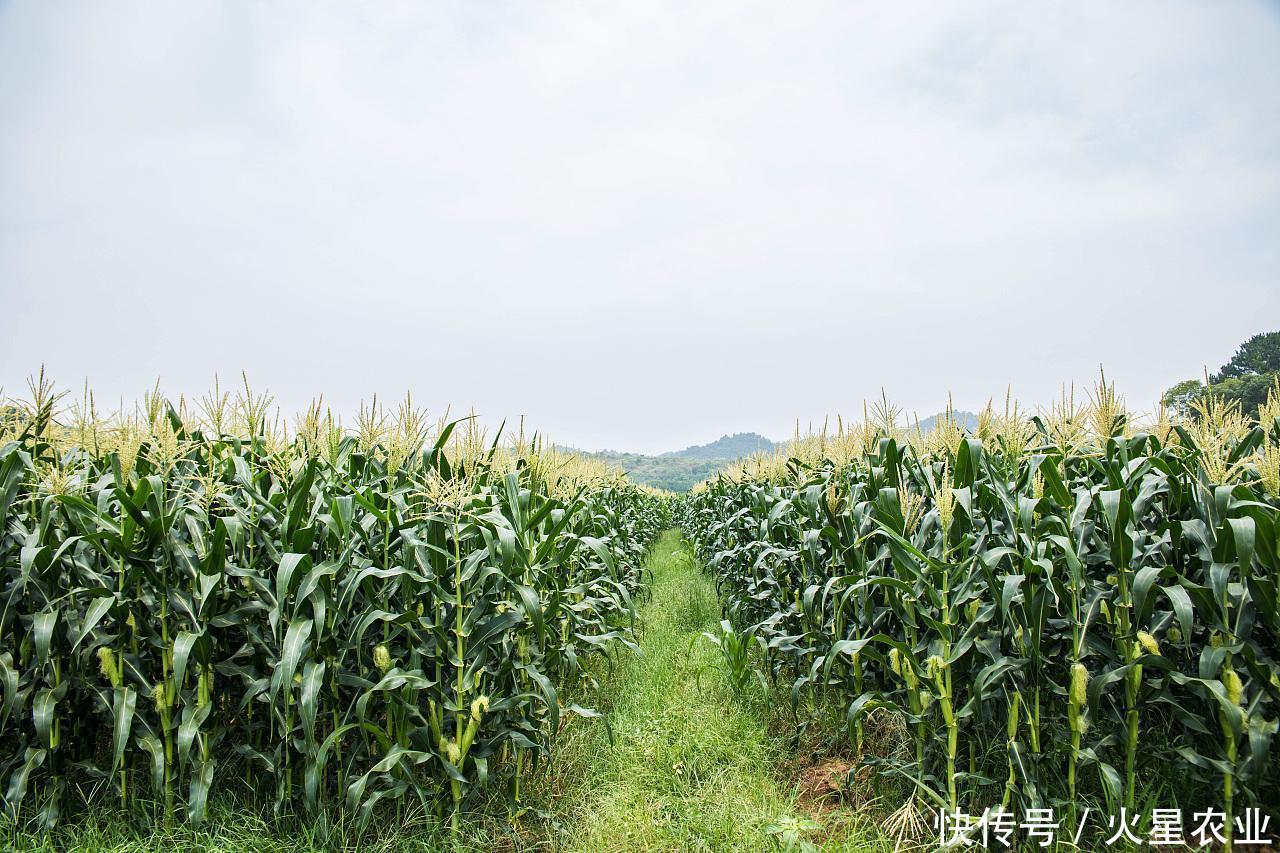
(681, 470)
(966, 420)
(727, 447)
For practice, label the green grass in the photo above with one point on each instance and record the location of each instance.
(691, 767)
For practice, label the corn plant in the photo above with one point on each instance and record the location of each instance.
(342, 619)
(1058, 607)
(735, 652)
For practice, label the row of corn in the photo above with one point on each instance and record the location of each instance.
(193, 598)
(1072, 610)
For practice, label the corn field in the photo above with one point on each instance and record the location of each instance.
(194, 597)
(1067, 609)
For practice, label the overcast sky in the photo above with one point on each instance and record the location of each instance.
(640, 225)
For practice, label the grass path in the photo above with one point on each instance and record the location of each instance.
(690, 769)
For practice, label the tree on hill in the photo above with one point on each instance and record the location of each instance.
(1181, 396)
(1247, 378)
(1255, 357)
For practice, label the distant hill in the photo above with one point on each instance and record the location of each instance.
(673, 473)
(736, 446)
(966, 420)
(681, 470)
